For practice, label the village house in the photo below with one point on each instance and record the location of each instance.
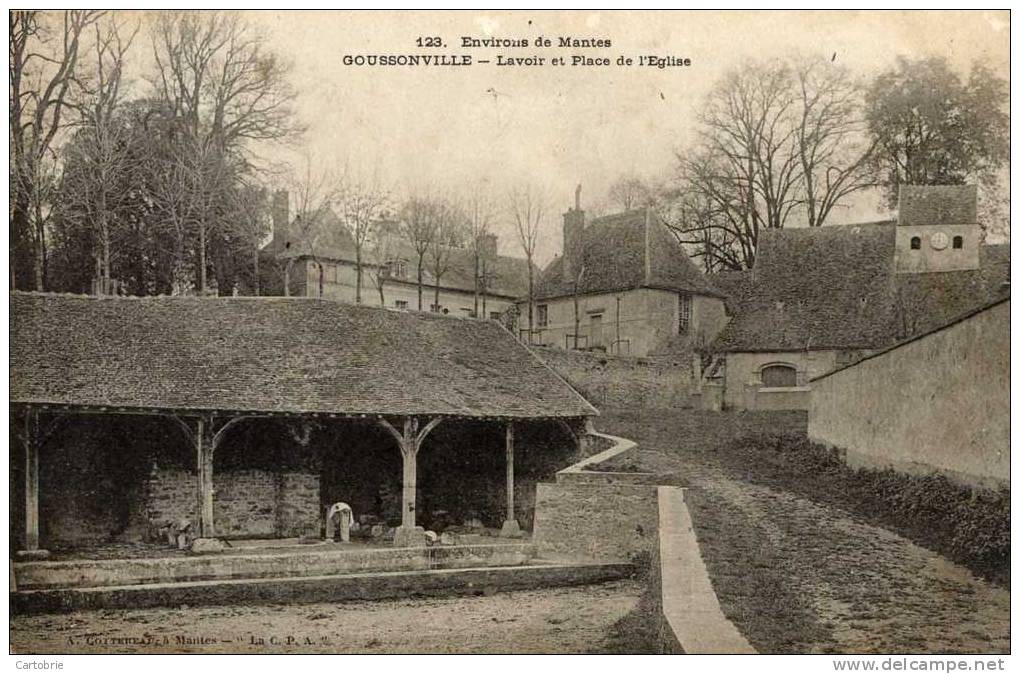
(623, 285)
(323, 264)
(247, 417)
(820, 298)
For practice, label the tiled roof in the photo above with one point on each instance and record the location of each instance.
(835, 287)
(278, 355)
(625, 251)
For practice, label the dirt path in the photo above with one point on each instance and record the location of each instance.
(800, 576)
(561, 620)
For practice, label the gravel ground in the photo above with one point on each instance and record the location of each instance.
(797, 576)
(593, 618)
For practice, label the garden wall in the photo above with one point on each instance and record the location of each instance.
(939, 402)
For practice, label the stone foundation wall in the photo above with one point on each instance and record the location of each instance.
(246, 503)
(654, 382)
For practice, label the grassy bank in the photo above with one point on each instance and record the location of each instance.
(968, 525)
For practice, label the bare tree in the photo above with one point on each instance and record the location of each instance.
(361, 203)
(479, 214)
(448, 231)
(98, 148)
(250, 219)
(314, 193)
(527, 206)
(222, 88)
(383, 250)
(419, 226)
(834, 152)
(629, 192)
(777, 141)
(44, 52)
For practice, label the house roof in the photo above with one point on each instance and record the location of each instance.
(835, 287)
(273, 355)
(508, 276)
(625, 251)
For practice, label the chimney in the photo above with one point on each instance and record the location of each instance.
(573, 230)
(487, 246)
(937, 204)
(281, 218)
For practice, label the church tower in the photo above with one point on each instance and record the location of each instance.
(937, 229)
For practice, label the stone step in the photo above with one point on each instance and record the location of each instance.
(314, 589)
(41, 575)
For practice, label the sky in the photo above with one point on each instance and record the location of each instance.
(559, 126)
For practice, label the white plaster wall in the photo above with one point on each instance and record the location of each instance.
(647, 318)
(742, 368)
(340, 283)
(927, 258)
(937, 403)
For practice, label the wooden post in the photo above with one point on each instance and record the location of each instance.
(511, 527)
(408, 533)
(409, 451)
(205, 449)
(30, 442)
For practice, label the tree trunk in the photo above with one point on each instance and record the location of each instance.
(357, 274)
(435, 306)
(531, 301)
(201, 259)
(258, 280)
(40, 248)
(477, 269)
(485, 312)
(420, 289)
(382, 296)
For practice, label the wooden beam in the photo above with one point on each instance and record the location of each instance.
(428, 429)
(391, 430)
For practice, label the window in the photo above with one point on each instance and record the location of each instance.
(542, 320)
(915, 243)
(683, 322)
(957, 242)
(494, 315)
(398, 268)
(400, 304)
(779, 376)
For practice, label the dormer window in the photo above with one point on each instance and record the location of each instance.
(957, 242)
(915, 243)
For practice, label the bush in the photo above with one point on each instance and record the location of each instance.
(967, 524)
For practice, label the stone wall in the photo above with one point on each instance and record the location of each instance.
(246, 503)
(743, 369)
(936, 403)
(595, 519)
(659, 382)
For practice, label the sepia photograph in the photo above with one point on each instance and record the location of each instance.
(508, 331)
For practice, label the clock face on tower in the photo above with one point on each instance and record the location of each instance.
(939, 241)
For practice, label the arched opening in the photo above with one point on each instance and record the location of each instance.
(779, 375)
(957, 242)
(915, 243)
